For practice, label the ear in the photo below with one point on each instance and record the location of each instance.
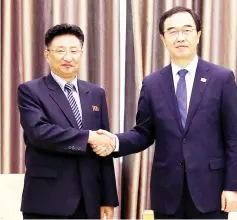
(163, 39)
(199, 35)
(46, 55)
(82, 49)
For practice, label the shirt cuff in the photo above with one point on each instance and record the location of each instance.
(117, 144)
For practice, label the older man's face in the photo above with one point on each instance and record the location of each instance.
(63, 55)
(180, 36)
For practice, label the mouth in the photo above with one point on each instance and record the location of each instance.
(67, 65)
(181, 47)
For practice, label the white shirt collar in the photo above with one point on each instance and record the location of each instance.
(61, 82)
(191, 67)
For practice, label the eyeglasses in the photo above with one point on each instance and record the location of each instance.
(62, 51)
(187, 31)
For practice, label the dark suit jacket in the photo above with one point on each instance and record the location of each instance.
(60, 166)
(208, 144)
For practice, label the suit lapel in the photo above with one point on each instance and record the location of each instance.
(201, 80)
(85, 100)
(59, 97)
(167, 85)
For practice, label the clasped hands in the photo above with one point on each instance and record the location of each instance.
(229, 201)
(102, 142)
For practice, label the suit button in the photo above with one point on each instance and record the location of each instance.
(181, 162)
(184, 141)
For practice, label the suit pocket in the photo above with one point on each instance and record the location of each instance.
(42, 172)
(96, 114)
(216, 163)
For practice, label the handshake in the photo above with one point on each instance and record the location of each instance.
(102, 142)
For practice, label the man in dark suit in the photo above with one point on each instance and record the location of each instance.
(64, 178)
(190, 108)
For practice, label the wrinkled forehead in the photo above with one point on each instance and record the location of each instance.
(179, 20)
(66, 41)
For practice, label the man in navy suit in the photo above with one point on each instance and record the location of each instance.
(64, 178)
(190, 109)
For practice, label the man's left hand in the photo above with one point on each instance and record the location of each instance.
(106, 212)
(229, 201)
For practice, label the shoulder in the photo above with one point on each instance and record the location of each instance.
(32, 84)
(216, 71)
(154, 77)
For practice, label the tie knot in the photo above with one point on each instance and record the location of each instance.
(69, 86)
(183, 72)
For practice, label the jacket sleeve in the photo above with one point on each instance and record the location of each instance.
(229, 123)
(42, 134)
(142, 135)
(108, 182)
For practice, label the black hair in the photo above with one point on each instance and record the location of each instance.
(62, 29)
(179, 9)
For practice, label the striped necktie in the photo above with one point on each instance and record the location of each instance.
(69, 88)
(181, 94)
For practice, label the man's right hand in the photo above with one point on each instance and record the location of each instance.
(102, 142)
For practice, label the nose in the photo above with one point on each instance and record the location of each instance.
(68, 56)
(180, 36)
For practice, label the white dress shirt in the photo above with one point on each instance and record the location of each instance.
(61, 82)
(189, 78)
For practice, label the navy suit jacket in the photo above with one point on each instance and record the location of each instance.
(207, 144)
(60, 166)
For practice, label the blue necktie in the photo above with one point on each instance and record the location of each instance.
(181, 95)
(69, 87)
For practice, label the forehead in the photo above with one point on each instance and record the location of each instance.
(179, 20)
(66, 41)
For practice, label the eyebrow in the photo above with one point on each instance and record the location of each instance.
(187, 25)
(60, 46)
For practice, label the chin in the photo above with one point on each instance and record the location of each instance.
(67, 71)
(183, 55)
